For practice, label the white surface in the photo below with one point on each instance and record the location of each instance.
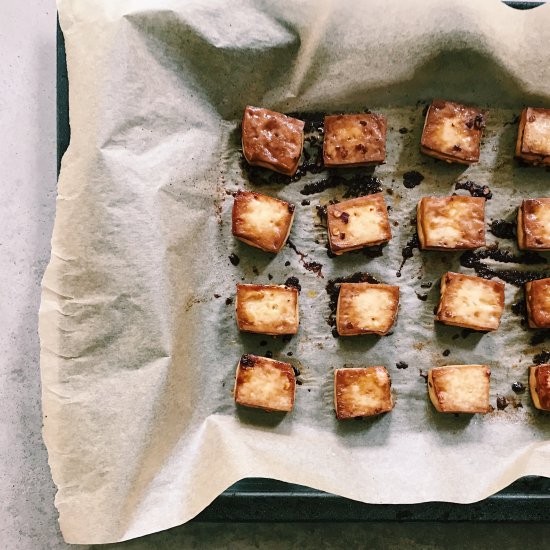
(27, 175)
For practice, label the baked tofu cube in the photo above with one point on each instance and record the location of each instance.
(267, 309)
(534, 224)
(362, 392)
(537, 295)
(272, 140)
(357, 223)
(460, 388)
(262, 221)
(265, 384)
(354, 140)
(365, 308)
(452, 132)
(533, 143)
(539, 384)
(451, 223)
(470, 302)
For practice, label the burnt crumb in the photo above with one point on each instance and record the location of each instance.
(269, 276)
(540, 336)
(344, 217)
(479, 122)
(287, 263)
(299, 382)
(333, 290)
(502, 403)
(518, 387)
(228, 301)
(402, 365)
(263, 343)
(358, 185)
(412, 179)
(269, 354)
(542, 357)
(403, 130)
(520, 308)
(474, 189)
(321, 210)
(293, 282)
(515, 120)
(446, 353)
(255, 270)
(289, 353)
(408, 250)
(422, 297)
(314, 267)
(247, 360)
(473, 259)
(295, 369)
(427, 284)
(305, 202)
(217, 295)
(291, 207)
(234, 259)
(334, 333)
(314, 120)
(503, 229)
(423, 375)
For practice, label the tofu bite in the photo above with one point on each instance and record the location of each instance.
(264, 384)
(451, 223)
(262, 221)
(534, 224)
(267, 309)
(365, 308)
(362, 392)
(533, 143)
(539, 385)
(460, 388)
(470, 302)
(537, 297)
(354, 140)
(272, 140)
(452, 132)
(357, 223)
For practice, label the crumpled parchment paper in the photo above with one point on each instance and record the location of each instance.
(139, 352)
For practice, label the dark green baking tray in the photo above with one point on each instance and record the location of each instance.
(258, 499)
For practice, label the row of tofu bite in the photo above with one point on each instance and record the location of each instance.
(452, 132)
(371, 308)
(269, 384)
(443, 223)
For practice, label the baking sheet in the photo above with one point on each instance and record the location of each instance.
(138, 354)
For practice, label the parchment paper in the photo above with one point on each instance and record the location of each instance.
(139, 353)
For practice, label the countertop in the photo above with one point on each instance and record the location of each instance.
(28, 518)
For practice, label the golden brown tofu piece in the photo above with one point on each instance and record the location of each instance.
(539, 385)
(354, 140)
(470, 302)
(537, 294)
(265, 384)
(267, 309)
(451, 223)
(452, 132)
(365, 308)
(460, 388)
(272, 140)
(362, 392)
(262, 221)
(533, 143)
(534, 224)
(357, 223)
